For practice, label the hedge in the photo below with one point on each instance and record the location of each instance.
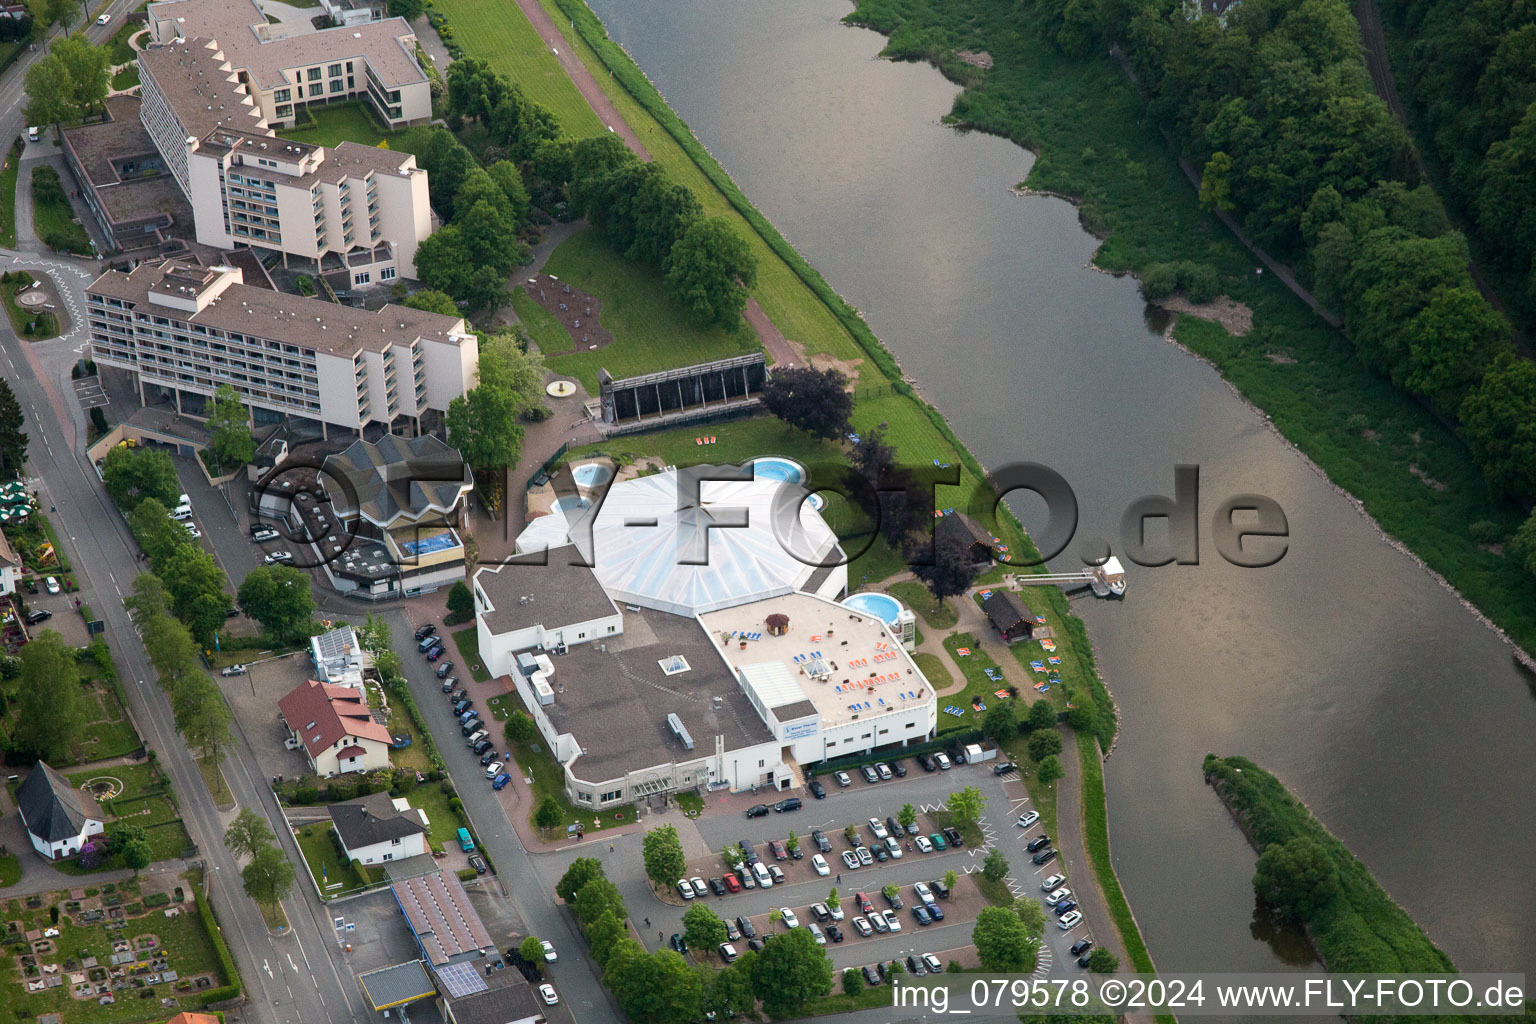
(226, 962)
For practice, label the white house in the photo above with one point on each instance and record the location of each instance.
(334, 728)
(374, 830)
(50, 808)
(10, 567)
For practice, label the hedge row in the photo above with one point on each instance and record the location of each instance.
(233, 990)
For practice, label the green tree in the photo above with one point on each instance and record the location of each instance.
(268, 878)
(1001, 722)
(603, 934)
(951, 571)
(196, 584)
(248, 833)
(729, 991)
(791, 842)
(433, 301)
(136, 854)
(520, 728)
(703, 928)
(13, 441)
(995, 866)
(410, 10)
(1297, 878)
(87, 66)
(1216, 183)
(159, 536)
(791, 971)
(1102, 961)
(230, 426)
(60, 12)
(1031, 914)
(1498, 420)
(663, 854)
(890, 890)
(907, 816)
(549, 814)
(833, 899)
(1451, 344)
(853, 981)
(951, 879)
(710, 269)
(461, 603)
(597, 897)
(1044, 743)
(49, 716)
(1002, 943)
(581, 871)
(966, 805)
(49, 92)
(207, 732)
(483, 423)
(533, 951)
(510, 180)
(1049, 770)
(1041, 716)
(278, 597)
(815, 401)
(133, 474)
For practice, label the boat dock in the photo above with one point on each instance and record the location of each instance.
(1107, 580)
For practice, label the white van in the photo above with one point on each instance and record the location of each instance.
(32, 133)
(764, 879)
(183, 510)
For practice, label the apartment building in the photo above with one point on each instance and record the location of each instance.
(188, 329)
(358, 207)
(284, 73)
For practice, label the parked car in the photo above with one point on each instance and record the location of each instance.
(1038, 842)
(449, 684)
(932, 963)
(746, 879)
(728, 952)
(193, 531)
(422, 632)
(1065, 907)
(40, 615)
(264, 531)
(820, 839)
(816, 933)
(924, 844)
(698, 885)
(757, 811)
(892, 921)
(717, 885)
(550, 956)
(748, 852)
(893, 899)
(500, 781)
(788, 917)
(1045, 856)
(732, 933)
(851, 860)
(934, 910)
(834, 933)
(764, 879)
(756, 945)
(443, 669)
(436, 652)
(487, 757)
(732, 883)
(274, 557)
(899, 769)
(817, 789)
(476, 737)
(52, 584)
(878, 828)
(893, 846)
(547, 993)
(426, 643)
(779, 852)
(789, 804)
(820, 912)
(1070, 920)
(881, 853)
(862, 927)
(843, 779)
(1027, 819)
(937, 839)
(916, 967)
(777, 873)
(820, 864)
(1085, 960)
(1081, 946)
(871, 976)
(478, 863)
(465, 842)
(685, 888)
(678, 943)
(460, 694)
(893, 826)
(461, 706)
(745, 925)
(481, 746)
(234, 670)
(870, 775)
(939, 888)
(1004, 768)
(942, 760)
(1058, 895)
(470, 727)
(920, 912)
(928, 763)
(493, 769)
(865, 858)
(884, 771)
(102, 19)
(1053, 883)
(953, 835)
(878, 922)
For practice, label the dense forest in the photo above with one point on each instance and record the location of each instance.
(1272, 102)
(1469, 67)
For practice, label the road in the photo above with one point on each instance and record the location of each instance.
(290, 979)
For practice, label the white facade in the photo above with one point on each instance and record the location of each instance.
(390, 849)
(67, 847)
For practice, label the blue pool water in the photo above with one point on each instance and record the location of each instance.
(571, 503)
(427, 545)
(775, 468)
(589, 474)
(882, 606)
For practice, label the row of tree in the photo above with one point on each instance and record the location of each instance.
(1274, 102)
(268, 874)
(1470, 68)
(70, 83)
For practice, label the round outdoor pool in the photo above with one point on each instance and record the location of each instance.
(590, 474)
(774, 467)
(571, 503)
(883, 606)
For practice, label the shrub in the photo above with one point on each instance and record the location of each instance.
(1158, 282)
(1485, 532)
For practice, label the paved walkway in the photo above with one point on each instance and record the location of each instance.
(1069, 840)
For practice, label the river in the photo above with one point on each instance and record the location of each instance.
(1345, 669)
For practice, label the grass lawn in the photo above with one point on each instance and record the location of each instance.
(145, 800)
(650, 330)
(8, 197)
(921, 600)
(108, 733)
(549, 780)
(10, 869)
(468, 643)
(933, 669)
(213, 779)
(20, 317)
(498, 32)
(443, 824)
(547, 332)
(126, 78)
(326, 866)
(118, 50)
(336, 123)
(55, 219)
(414, 756)
(977, 685)
(865, 998)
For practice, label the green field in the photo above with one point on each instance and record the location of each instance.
(468, 643)
(337, 123)
(921, 600)
(547, 332)
(933, 669)
(53, 220)
(649, 328)
(326, 866)
(145, 800)
(8, 177)
(126, 78)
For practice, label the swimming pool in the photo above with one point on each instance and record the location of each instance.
(882, 606)
(571, 503)
(429, 544)
(590, 474)
(775, 467)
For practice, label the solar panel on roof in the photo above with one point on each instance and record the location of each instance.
(462, 979)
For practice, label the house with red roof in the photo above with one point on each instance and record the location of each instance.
(333, 727)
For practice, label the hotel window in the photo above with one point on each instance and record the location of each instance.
(314, 74)
(282, 96)
(387, 274)
(361, 278)
(336, 85)
(286, 110)
(334, 71)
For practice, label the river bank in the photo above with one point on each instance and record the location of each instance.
(1095, 143)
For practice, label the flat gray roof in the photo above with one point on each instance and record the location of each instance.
(201, 92)
(100, 146)
(397, 985)
(561, 594)
(616, 702)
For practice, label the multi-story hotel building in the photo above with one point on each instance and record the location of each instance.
(189, 329)
(363, 206)
(284, 73)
